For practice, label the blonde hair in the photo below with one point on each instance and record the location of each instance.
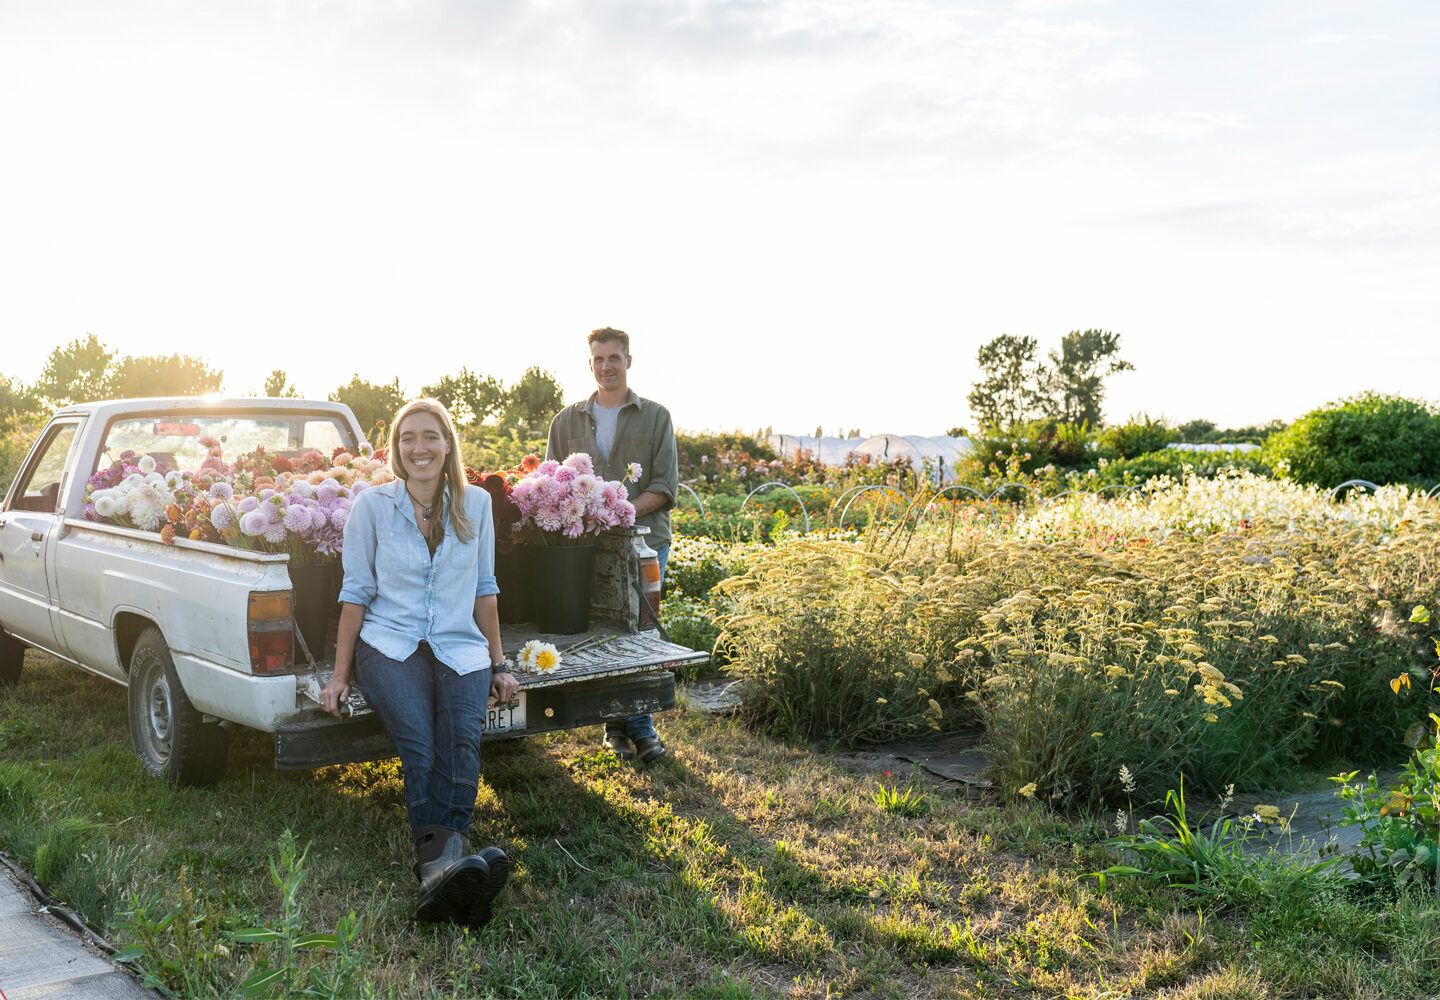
(453, 472)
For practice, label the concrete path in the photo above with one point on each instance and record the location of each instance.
(42, 958)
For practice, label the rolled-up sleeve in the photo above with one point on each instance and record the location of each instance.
(478, 502)
(357, 557)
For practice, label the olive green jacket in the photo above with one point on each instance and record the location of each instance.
(644, 434)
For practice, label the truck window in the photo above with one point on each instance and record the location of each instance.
(175, 442)
(39, 488)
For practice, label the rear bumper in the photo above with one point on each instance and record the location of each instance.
(325, 741)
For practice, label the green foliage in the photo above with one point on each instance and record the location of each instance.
(17, 401)
(1205, 432)
(1177, 463)
(373, 405)
(86, 370)
(1017, 388)
(1172, 851)
(1009, 393)
(172, 375)
(63, 843)
(908, 801)
(181, 943)
(490, 448)
(830, 647)
(279, 386)
(531, 403)
(18, 432)
(1384, 439)
(716, 459)
(301, 963)
(1138, 436)
(470, 398)
(1074, 383)
(1037, 444)
(77, 372)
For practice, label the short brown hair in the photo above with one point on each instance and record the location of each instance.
(606, 333)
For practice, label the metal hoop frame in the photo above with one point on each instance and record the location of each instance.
(765, 486)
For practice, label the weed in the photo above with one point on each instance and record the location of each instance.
(907, 801)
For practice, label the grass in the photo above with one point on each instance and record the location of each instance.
(737, 866)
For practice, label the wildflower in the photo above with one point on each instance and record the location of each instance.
(1028, 791)
(1127, 780)
(1122, 821)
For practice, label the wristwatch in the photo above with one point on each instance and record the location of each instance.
(501, 666)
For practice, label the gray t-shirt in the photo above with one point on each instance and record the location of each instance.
(605, 420)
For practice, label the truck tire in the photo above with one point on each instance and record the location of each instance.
(12, 658)
(173, 741)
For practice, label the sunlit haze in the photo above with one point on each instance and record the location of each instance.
(804, 213)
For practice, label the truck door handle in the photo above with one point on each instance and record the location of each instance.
(37, 536)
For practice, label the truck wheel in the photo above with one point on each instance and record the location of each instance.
(12, 658)
(173, 741)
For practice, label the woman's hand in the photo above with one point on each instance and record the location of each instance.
(332, 694)
(503, 687)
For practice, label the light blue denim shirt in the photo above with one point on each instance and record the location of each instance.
(407, 594)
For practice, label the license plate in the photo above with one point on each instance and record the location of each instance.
(506, 718)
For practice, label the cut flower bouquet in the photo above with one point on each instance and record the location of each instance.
(555, 503)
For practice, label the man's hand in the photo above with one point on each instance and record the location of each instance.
(504, 687)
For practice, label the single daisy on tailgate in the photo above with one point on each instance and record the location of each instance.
(539, 657)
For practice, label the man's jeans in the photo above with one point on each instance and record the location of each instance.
(435, 717)
(639, 727)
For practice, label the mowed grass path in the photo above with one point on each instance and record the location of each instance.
(735, 867)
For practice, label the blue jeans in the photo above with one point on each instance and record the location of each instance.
(435, 717)
(639, 727)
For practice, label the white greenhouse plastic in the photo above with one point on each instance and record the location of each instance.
(1241, 446)
(825, 450)
(942, 450)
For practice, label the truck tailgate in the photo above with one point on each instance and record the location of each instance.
(602, 676)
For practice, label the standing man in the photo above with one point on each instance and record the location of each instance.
(615, 427)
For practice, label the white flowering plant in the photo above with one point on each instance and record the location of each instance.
(538, 657)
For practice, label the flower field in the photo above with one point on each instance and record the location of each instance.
(1231, 630)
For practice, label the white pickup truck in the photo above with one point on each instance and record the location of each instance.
(202, 633)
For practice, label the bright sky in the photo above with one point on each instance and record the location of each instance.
(805, 212)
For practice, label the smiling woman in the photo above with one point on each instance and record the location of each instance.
(420, 634)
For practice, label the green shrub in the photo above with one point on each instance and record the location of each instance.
(1177, 463)
(1037, 443)
(1139, 435)
(1385, 439)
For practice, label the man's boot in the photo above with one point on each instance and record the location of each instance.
(452, 880)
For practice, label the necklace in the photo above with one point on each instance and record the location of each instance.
(425, 508)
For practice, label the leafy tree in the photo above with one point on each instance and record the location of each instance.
(279, 386)
(76, 372)
(371, 404)
(469, 397)
(1383, 439)
(154, 375)
(16, 400)
(1009, 393)
(1196, 431)
(1074, 383)
(1018, 388)
(533, 400)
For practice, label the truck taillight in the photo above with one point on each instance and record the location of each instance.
(272, 650)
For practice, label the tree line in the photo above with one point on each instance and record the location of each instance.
(86, 369)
